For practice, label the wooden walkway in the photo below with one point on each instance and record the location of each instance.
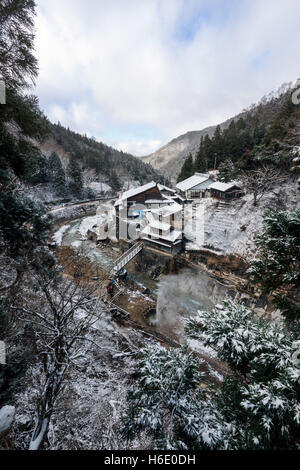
(126, 257)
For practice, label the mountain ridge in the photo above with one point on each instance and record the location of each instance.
(169, 158)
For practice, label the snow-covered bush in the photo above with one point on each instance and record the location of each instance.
(257, 406)
(278, 264)
(166, 393)
(261, 353)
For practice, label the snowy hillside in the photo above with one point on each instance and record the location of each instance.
(230, 229)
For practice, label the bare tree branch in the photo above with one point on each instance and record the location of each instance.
(259, 182)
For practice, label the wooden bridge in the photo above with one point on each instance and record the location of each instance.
(126, 257)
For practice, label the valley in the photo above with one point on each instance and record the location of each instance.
(149, 292)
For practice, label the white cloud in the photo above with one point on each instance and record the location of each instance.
(139, 147)
(155, 69)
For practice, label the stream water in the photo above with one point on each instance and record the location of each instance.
(104, 256)
(177, 294)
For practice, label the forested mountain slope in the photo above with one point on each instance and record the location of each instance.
(98, 161)
(169, 158)
(61, 163)
(248, 144)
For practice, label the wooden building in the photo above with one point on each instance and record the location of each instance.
(164, 230)
(225, 191)
(130, 207)
(195, 186)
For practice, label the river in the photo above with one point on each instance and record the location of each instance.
(177, 294)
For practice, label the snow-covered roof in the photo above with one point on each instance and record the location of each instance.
(135, 191)
(192, 181)
(161, 187)
(177, 196)
(168, 210)
(219, 186)
(168, 198)
(159, 225)
(171, 236)
(154, 201)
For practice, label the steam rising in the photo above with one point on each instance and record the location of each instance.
(183, 294)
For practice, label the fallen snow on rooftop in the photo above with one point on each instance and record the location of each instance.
(159, 225)
(134, 192)
(168, 210)
(218, 185)
(161, 187)
(192, 181)
(170, 236)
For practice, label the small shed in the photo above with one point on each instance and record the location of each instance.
(195, 186)
(225, 191)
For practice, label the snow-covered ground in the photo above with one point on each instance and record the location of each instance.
(74, 211)
(99, 187)
(199, 347)
(88, 223)
(231, 229)
(88, 410)
(58, 235)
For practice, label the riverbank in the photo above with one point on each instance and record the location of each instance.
(222, 275)
(136, 304)
(160, 290)
(73, 211)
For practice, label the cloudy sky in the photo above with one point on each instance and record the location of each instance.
(137, 73)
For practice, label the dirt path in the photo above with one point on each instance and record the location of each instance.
(132, 306)
(79, 204)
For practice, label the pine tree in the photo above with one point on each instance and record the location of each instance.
(114, 181)
(75, 177)
(231, 141)
(57, 173)
(277, 269)
(24, 225)
(200, 165)
(17, 62)
(218, 146)
(256, 407)
(258, 134)
(227, 171)
(262, 355)
(187, 169)
(209, 153)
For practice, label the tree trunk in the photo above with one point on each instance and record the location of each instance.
(39, 432)
(255, 200)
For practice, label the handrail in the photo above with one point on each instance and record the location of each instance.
(135, 249)
(128, 252)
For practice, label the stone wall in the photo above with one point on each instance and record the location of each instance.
(232, 263)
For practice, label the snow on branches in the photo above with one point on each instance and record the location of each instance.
(277, 268)
(256, 407)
